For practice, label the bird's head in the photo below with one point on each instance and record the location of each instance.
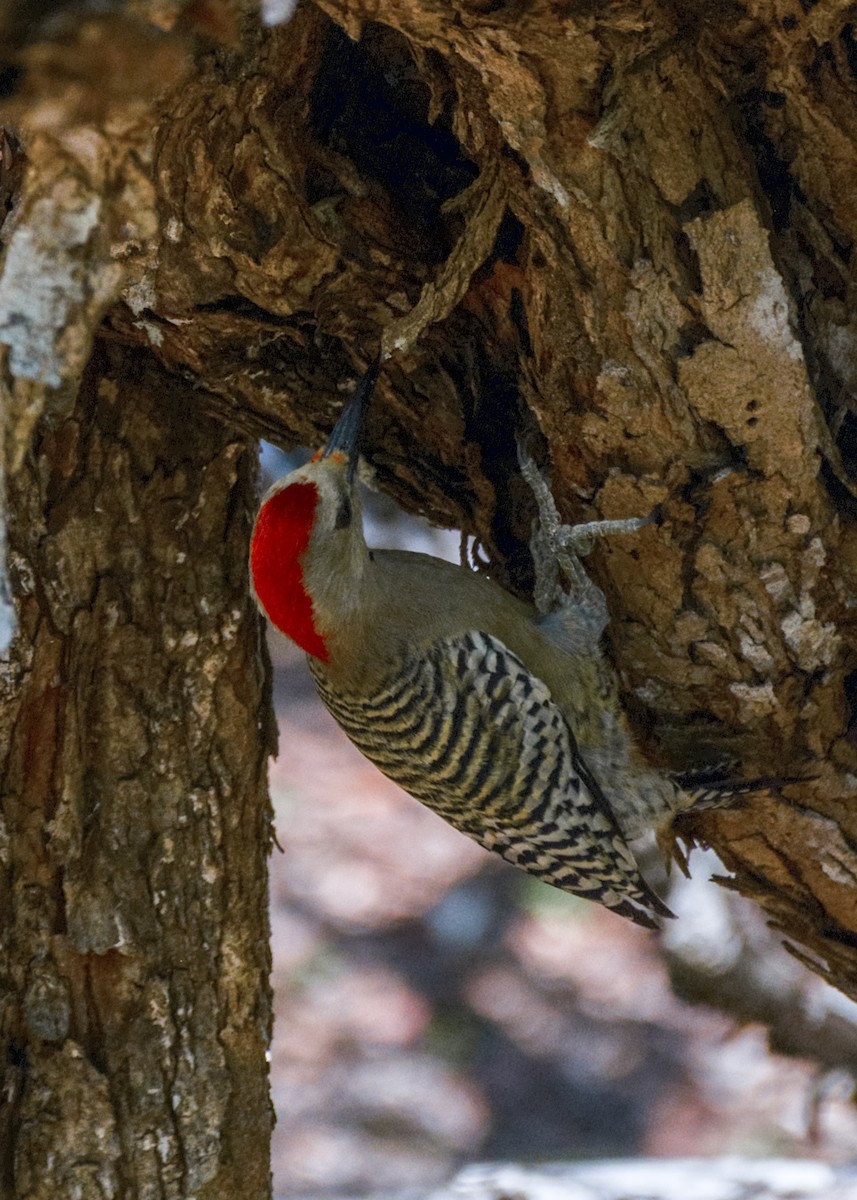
(307, 552)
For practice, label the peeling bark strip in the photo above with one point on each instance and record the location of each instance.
(135, 1012)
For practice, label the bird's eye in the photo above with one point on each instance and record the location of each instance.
(343, 513)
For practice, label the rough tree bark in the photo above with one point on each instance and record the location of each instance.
(134, 955)
(631, 227)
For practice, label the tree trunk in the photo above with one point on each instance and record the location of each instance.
(135, 961)
(630, 228)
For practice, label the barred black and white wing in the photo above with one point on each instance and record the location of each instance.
(467, 729)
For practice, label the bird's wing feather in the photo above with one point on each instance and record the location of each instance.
(470, 731)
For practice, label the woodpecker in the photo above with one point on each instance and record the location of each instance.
(503, 719)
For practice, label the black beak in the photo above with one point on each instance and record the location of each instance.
(346, 432)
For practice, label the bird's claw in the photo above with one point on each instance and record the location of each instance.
(558, 548)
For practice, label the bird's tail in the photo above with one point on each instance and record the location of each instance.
(715, 787)
(712, 788)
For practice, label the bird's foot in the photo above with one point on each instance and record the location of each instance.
(558, 548)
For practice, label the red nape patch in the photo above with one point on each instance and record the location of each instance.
(279, 540)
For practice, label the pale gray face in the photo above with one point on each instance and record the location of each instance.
(336, 556)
